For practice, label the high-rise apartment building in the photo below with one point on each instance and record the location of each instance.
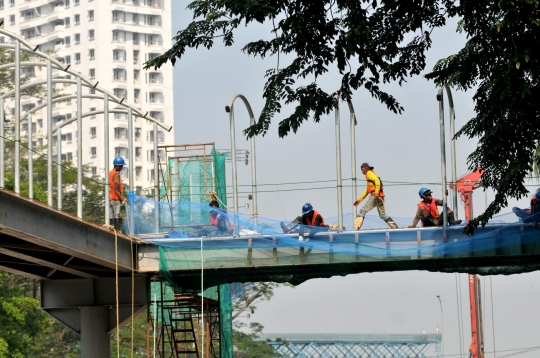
(107, 41)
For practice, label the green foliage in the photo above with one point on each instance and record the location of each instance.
(139, 338)
(369, 42)
(246, 345)
(501, 58)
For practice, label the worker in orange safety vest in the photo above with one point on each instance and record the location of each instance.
(428, 212)
(116, 196)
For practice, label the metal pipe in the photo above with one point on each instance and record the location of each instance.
(59, 167)
(2, 143)
(338, 163)
(131, 169)
(107, 157)
(234, 171)
(156, 180)
(17, 144)
(49, 135)
(79, 150)
(353, 154)
(440, 98)
(230, 108)
(30, 161)
(453, 151)
(130, 152)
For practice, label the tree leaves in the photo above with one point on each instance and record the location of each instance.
(364, 40)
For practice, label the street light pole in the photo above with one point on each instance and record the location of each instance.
(442, 322)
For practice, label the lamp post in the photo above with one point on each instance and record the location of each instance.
(442, 322)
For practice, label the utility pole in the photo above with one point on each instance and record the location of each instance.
(442, 322)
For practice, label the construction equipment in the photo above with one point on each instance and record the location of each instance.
(465, 186)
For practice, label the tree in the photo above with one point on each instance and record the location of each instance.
(501, 59)
(372, 43)
(366, 41)
(247, 345)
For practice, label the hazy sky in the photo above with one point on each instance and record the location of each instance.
(402, 148)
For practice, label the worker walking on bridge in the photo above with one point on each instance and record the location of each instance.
(116, 189)
(376, 198)
(429, 213)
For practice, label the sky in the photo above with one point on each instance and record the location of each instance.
(404, 148)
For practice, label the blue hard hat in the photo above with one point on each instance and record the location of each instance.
(307, 208)
(423, 191)
(119, 161)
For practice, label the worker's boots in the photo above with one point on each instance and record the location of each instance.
(452, 220)
(358, 223)
(391, 223)
(119, 225)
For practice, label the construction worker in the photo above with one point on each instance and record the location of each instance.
(220, 220)
(116, 189)
(532, 214)
(375, 190)
(309, 217)
(429, 214)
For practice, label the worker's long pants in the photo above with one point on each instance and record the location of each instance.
(115, 208)
(371, 203)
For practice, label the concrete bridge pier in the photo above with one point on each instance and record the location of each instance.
(89, 307)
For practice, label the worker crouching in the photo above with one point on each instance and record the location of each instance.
(309, 217)
(429, 213)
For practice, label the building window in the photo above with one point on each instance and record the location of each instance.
(119, 55)
(12, 2)
(136, 76)
(1, 4)
(137, 135)
(91, 54)
(66, 3)
(93, 132)
(92, 73)
(119, 74)
(120, 92)
(77, 57)
(136, 94)
(12, 19)
(91, 34)
(91, 15)
(120, 116)
(92, 91)
(66, 137)
(93, 170)
(68, 60)
(135, 38)
(67, 22)
(93, 152)
(77, 38)
(67, 41)
(118, 36)
(154, 78)
(135, 57)
(76, 2)
(77, 19)
(150, 156)
(67, 156)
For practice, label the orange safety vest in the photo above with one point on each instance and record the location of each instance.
(113, 195)
(371, 188)
(432, 208)
(311, 222)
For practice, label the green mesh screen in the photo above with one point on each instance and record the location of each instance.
(225, 319)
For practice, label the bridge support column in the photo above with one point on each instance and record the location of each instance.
(88, 306)
(95, 341)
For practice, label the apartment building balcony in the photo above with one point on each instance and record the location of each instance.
(137, 9)
(61, 111)
(34, 4)
(59, 32)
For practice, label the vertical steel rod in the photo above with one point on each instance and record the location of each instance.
(131, 160)
(17, 85)
(79, 150)
(2, 145)
(30, 159)
(49, 134)
(59, 166)
(253, 173)
(338, 164)
(107, 156)
(440, 97)
(353, 155)
(453, 151)
(131, 169)
(234, 172)
(156, 180)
